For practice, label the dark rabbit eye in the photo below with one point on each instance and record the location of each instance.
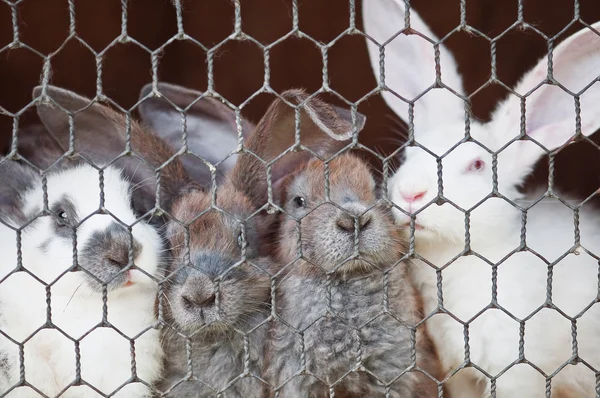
(63, 218)
(299, 201)
(240, 240)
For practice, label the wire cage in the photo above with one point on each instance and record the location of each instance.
(245, 199)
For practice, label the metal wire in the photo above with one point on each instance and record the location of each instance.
(238, 33)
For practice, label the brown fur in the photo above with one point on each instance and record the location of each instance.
(173, 178)
(275, 133)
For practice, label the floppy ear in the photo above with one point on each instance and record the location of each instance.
(212, 131)
(550, 109)
(410, 67)
(40, 148)
(99, 133)
(15, 179)
(323, 129)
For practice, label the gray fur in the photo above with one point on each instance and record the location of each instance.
(97, 139)
(41, 149)
(105, 256)
(336, 300)
(334, 343)
(64, 227)
(216, 361)
(210, 125)
(15, 178)
(215, 316)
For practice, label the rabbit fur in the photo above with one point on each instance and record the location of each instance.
(346, 323)
(211, 127)
(547, 281)
(215, 305)
(76, 304)
(237, 327)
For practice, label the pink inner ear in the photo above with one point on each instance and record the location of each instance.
(555, 135)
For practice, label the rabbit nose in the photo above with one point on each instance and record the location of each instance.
(345, 222)
(119, 256)
(198, 300)
(411, 197)
(114, 246)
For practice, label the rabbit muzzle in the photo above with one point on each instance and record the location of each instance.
(108, 257)
(355, 239)
(204, 295)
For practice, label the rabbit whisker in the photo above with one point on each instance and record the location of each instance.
(71, 298)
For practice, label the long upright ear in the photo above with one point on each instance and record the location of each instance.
(324, 129)
(551, 100)
(100, 134)
(211, 127)
(410, 67)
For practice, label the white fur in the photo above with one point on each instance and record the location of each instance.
(495, 224)
(76, 307)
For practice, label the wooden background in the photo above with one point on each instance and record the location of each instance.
(44, 25)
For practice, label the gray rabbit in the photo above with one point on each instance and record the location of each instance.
(347, 315)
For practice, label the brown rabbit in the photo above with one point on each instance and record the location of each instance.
(215, 306)
(347, 305)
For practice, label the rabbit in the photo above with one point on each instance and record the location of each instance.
(340, 324)
(45, 280)
(545, 281)
(215, 307)
(210, 125)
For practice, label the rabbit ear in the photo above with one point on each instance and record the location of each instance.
(15, 179)
(324, 129)
(410, 67)
(210, 124)
(40, 148)
(100, 135)
(550, 116)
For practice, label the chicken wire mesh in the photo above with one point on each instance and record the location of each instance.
(239, 340)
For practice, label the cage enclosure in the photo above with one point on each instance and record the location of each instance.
(292, 198)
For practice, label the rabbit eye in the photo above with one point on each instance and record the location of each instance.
(63, 218)
(299, 201)
(240, 240)
(476, 165)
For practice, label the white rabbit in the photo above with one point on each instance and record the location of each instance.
(494, 221)
(76, 295)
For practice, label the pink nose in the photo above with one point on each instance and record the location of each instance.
(413, 196)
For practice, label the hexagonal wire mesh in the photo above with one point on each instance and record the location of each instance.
(56, 197)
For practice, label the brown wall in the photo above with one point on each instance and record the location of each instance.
(239, 71)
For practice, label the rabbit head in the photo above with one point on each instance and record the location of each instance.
(104, 242)
(212, 230)
(328, 229)
(446, 172)
(105, 234)
(216, 291)
(211, 288)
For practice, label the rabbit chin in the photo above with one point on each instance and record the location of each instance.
(191, 323)
(121, 283)
(361, 265)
